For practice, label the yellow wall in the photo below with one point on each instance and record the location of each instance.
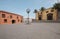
(44, 14)
(36, 16)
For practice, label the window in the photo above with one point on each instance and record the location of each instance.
(17, 17)
(41, 12)
(3, 15)
(46, 11)
(21, 20)
(52, 10)
(18, 20)
(5, 20)
(10, 16)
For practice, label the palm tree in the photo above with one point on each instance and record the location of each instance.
(57, 6)
(35, 11)
(42, 9)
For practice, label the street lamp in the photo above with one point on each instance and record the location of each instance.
(28, 11)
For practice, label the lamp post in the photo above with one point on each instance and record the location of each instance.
(28, 11)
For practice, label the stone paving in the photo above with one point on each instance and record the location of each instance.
(30, 31)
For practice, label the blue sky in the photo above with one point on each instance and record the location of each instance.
(20, 6)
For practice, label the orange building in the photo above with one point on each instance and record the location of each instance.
(10, 18)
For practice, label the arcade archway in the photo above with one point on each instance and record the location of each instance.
(13, 21)
(50, 16)
(40, 18)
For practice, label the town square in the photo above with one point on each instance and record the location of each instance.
(29, 19)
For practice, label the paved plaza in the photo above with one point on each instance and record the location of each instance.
(30, 31)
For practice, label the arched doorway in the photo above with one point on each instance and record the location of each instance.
(13, 21)
(50, 16)
(40, 17)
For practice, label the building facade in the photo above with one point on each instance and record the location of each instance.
(47, 14)
(10, 18)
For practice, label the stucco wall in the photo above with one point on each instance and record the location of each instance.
(9, 20)
(44, 14)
